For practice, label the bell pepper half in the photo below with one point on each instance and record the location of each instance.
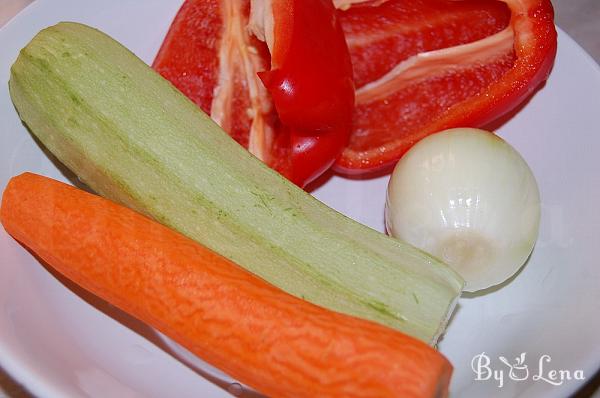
(422, 66)
(274, 74)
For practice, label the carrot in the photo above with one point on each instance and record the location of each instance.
(263, 337)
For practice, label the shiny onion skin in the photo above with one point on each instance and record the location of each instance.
(467, 197)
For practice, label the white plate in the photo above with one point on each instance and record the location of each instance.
(63, 342)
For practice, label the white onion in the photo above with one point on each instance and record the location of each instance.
(468, 197)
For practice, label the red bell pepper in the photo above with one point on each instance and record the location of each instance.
(298, 118)
(426, 65)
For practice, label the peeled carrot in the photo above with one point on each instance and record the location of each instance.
(263, 337)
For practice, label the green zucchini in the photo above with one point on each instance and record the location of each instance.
(132, 137)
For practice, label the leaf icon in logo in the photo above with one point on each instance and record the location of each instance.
(519, 370)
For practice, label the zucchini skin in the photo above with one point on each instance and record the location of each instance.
(132, 137)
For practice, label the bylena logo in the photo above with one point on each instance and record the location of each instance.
(518, 370)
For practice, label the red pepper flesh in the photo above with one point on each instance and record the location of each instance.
(489, 56)
(299, 121)
(310, 80)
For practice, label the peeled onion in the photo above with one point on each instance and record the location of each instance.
(469, 198)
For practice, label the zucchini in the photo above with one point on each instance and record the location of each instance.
(132, 137)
